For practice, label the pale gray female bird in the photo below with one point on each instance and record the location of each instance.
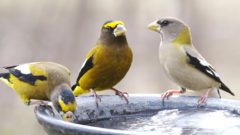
(182, 62)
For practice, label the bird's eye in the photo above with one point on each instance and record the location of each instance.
(108, 28)
(164, 23)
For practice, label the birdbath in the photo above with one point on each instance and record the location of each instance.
(145, 114)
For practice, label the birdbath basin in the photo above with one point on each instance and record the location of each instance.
(146, 114)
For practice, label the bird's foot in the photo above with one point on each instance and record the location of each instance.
(39, 102)
(170, 93)
(44, 103)
(203, 99)
(28, 103)
(25, 100)
(97, 97)
(121, 94)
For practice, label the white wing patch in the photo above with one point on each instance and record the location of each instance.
(210, 70)
(24, 69)
(204, 63)
(84, 63)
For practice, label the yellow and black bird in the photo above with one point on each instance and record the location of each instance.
(107, 63)
(42, 81)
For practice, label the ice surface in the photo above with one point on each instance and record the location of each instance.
(177, 122)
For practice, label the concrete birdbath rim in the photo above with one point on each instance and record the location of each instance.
(113, 106)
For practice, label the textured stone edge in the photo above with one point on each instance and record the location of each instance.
(113, 106)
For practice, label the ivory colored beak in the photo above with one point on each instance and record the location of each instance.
(154, 26)
(119, 30)
(68, 116)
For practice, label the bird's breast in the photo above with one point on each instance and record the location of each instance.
(174, 63)
(109, 67)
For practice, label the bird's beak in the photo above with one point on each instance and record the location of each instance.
(119, 30)
(68, 116)
(154, 26)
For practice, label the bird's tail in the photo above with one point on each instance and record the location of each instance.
(226, 89)
(4, 73)
(4, 76)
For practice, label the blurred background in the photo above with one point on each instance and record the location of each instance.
(63, 31)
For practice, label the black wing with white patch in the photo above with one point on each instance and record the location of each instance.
(203, 66)
(88, 64)
(27, 78)
(7, 75)
(200, 64)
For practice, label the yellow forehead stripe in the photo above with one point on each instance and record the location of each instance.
(113, 24)
(67, 107)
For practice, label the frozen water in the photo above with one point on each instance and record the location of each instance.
(177, 122)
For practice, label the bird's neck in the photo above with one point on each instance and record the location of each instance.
(111, 40)
(183, 37)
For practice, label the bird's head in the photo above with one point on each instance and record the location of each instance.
(172, 30)
(64, 101)
(115, 28)
(113, 34)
